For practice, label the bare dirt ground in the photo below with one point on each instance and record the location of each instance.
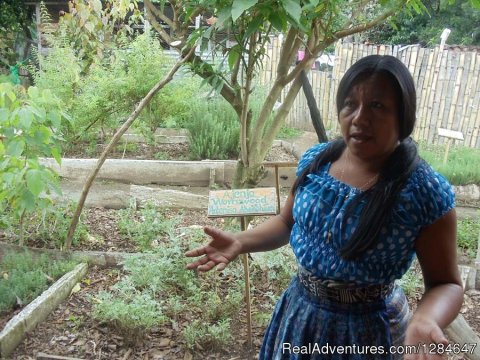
(70, 331)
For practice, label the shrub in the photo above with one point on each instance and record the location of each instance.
(145, 225)
(49, 225)
(130, 311)
(214, 130)
(208, 336)
(31, 125)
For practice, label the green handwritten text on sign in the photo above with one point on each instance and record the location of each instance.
(241, 202)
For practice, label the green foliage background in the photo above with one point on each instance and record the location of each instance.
(459, 16)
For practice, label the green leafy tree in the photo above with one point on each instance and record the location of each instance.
(30, 128)
(460, 16)
(92, 28)
(310, 25)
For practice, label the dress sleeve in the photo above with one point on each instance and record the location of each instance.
(309, 156)
(436, 193)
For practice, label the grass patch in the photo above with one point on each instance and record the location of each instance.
(468, 231)
(287, 132)
(25, 277)
(462, 167)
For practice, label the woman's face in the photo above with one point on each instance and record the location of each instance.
(369, 118)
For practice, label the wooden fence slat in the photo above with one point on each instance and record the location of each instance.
(464, 95)
(443, 88)
(474, 102)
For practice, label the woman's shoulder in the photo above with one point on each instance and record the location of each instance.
(430, 191)
(425, 177)
(309, 155)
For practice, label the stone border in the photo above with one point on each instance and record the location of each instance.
(98, 258)
(38, 310)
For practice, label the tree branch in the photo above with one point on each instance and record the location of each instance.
(280, 116)
(359, 28)
(227, 92)
(285, 58)
(157, 26)
(158, 13)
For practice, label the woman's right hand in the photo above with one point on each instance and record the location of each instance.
(219, 252)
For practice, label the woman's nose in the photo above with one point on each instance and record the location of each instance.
(361, 115)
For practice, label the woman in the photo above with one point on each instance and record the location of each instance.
(361, 208)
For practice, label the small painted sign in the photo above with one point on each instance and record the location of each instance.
(242, 202)
(452, 134)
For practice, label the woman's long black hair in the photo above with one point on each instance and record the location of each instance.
(381, 197)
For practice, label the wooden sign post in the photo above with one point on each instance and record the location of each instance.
(449, 134)
(242, 203)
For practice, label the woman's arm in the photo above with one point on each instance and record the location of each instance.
(225, 246)
(436, 250)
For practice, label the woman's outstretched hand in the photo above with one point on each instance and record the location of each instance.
(219, 252)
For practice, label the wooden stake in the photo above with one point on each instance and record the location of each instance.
(247, 289)
(277, 187)
(445, 157)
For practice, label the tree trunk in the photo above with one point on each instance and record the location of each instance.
(312, 106)
(247, 177)
(88, 183)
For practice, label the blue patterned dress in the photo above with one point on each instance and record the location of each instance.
(319, 327)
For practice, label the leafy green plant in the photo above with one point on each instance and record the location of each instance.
(93, 27)
(276, 266)
(161, 276)
(31, 124)
(145, 225)
(468, 231)
(171, 108)
(24, 277)
(208, 336)
(47, 225)
(214, 131)
(107, 94)
(52, 225)
(130, 311)
(412, 281)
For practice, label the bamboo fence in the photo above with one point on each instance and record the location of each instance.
(447, 83)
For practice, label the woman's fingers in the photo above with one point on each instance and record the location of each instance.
(214, 232)
(198, 262)
(208, 266)
(196, 252)
(217, 253)
(221, 266)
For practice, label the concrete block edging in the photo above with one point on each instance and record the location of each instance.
(38, 310)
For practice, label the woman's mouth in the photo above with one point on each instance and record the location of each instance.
(360, 137)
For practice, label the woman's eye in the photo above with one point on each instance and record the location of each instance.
(376, 105)
(348, 104)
